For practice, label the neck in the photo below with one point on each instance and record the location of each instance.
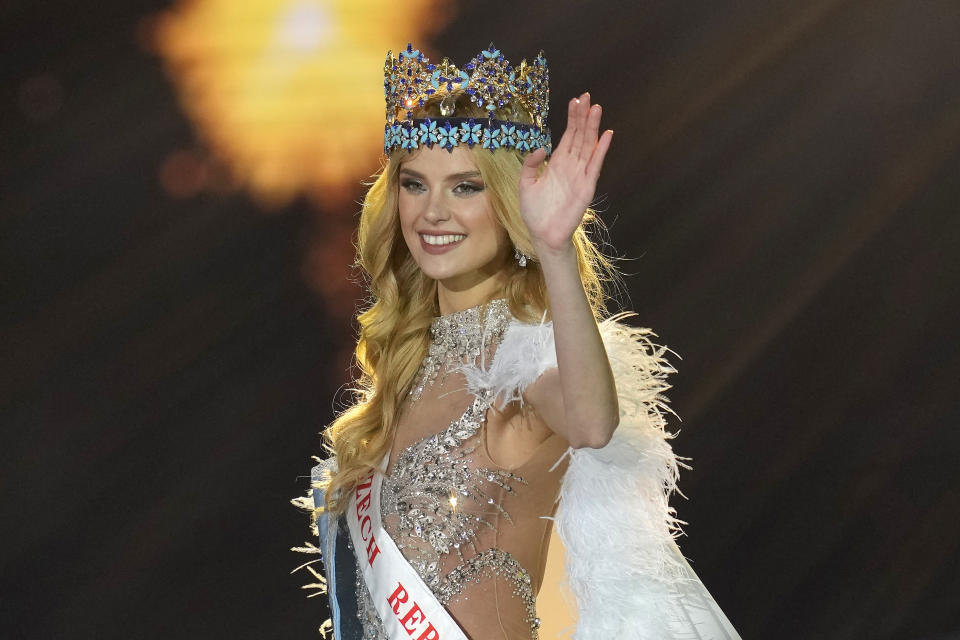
(459, 338)
(451, 299)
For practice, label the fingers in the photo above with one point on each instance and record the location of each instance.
(580, 109)
(599, 153)
(591, 130)
(531, 165)
(566, 141)
(583, 127)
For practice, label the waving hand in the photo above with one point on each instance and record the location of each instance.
(554, 200)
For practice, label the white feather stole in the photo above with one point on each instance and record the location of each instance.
(615, 521)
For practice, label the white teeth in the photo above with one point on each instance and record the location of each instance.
(442, 240)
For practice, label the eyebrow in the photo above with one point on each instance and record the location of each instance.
(463, 175)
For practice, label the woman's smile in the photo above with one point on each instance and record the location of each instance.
(433, 243)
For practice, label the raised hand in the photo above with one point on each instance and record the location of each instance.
(553, 201)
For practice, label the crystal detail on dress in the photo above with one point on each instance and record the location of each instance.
(369, 618)
(425, 483)
(460, 338)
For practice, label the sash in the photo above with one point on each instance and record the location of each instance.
(407, 607)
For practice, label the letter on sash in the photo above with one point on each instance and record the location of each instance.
(415, 615)
(398, 597)
(429, 634)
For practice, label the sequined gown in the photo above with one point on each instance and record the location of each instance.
(465, 499)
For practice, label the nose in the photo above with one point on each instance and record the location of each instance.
(437, 208)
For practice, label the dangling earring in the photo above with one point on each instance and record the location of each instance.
(520, 257)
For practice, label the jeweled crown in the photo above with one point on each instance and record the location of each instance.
(489, 80)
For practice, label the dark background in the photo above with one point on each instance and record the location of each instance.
(785, 176)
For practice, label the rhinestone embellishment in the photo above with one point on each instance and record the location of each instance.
(425, 484)
(460, 338)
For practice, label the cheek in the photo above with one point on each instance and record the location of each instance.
(483, 221)
(495, 232)
(404, 210)
(407, 213)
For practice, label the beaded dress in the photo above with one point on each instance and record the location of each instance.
(468, 493)
(473, 528)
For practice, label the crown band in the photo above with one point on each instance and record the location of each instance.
(452, 132)
(492, 83)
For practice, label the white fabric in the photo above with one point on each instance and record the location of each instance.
(405, 604)
(623, 566)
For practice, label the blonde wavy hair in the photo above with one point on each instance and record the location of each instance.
(394, 329)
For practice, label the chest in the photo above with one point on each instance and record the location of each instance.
(502, 439)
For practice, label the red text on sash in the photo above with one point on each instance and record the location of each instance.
(414, 620)
(366, 525)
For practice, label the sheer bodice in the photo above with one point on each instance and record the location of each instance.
(467, 498)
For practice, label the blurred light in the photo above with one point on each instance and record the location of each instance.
(305, 26)
(288, 94)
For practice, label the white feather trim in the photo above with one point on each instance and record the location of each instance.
(524, 353)
(615, 520)
(318, 518)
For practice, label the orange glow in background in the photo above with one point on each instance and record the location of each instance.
(288, 95)
(286, 98)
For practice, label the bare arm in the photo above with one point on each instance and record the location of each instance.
(578, 400)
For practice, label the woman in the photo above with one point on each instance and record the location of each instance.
(488, 389)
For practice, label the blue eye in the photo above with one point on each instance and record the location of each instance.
(412, 185)
(467, 188)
